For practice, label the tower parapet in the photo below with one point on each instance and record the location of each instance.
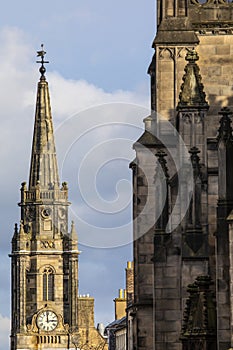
(211, 13)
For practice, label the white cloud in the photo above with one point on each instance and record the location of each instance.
(70, 96)
(4, 332)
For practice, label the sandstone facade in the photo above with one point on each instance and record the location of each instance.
(181, 231)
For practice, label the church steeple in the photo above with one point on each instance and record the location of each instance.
(44, 254)
(44, 169)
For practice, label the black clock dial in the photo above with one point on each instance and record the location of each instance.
(46, 212)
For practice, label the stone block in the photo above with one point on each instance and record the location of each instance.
(166, 67)
(169, 326)
(158, 293)
(214, 71)
(170, 293)
(158, 345)
(223, 49)
(159, 316)
(204, 52)
(223, 310)
(171, 271)
(172, 337)
(206, 40)
(166, 282)
(172, 304)
(159, 271)
(224, 322)
(199, 268)
(213, 89)
(174, 346)
(222, 298)
(174, 259)
(172, 315)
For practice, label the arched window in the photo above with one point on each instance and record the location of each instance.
(48, 284)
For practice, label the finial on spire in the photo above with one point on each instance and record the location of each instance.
(21, 228)
(194, 156)
(162, 161)
(42, 69)
(73, 233)
(225, 130)
(192, 93)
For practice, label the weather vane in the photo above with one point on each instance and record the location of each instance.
(42, 54)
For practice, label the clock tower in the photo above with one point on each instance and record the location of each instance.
(44, 257)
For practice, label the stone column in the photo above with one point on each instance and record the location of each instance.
(21, 291)
(73, 278)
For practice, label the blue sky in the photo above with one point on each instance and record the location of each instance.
(104, 42)
(99, 53)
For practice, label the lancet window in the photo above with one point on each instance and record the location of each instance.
(48, 284)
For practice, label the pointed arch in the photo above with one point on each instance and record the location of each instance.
(48, 284)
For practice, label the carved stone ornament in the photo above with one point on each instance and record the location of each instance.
(30, 213)
(46, 212)
(66, 246)
(166, 53)
(33, 327)
(194, 240)
(209, 2)
(187, 118)
(172, 53)
(47, 244)
(62, 213)
(199, 322)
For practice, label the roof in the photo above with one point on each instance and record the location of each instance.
(117, 324)
(148, 139)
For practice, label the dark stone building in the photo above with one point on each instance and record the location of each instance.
(183, 184)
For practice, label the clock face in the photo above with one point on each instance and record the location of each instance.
(47, 321)
(46, 212)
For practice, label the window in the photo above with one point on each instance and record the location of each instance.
(48, 284)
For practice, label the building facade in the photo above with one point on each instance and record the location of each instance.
(118, 331)
(47, 312)
(182, 180)
(89, 337)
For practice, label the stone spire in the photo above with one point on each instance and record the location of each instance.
(44, 169)
(199, 323)
(192, 94)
